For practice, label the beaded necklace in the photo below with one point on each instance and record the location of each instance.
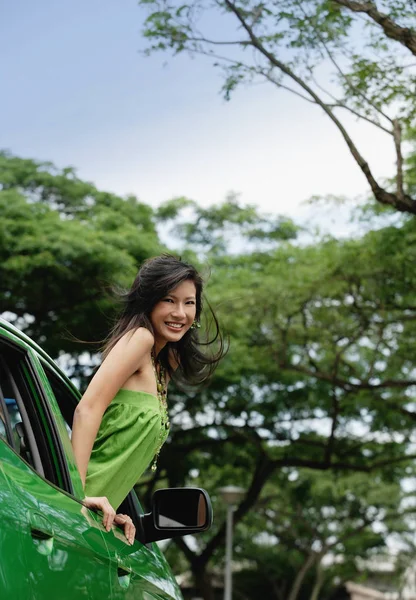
(163, 406)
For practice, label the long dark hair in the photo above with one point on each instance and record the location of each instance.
(156, 278)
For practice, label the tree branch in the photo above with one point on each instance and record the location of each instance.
(285, 87)
(407, 204)
(397, 134)
(301, 574)
(334, 424)
(338, 68)
(189, 554)
(404, 35)
(264, 469)
(348, 385)
(218, 43)
(322, 466)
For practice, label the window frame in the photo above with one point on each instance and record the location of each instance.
(7, 424)
(38, 464)
(44, 442)
(53, 440)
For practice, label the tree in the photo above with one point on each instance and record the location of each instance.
(319, 376)
(315, 528)
(391, 28)
(63, 244)
(287, 44)
(209, 231)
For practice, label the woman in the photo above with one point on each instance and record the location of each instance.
(121, 422)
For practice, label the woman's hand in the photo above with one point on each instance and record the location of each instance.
(110, 517)
(129, 528)
(102, 503)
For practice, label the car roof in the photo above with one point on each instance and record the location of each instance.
(27, 341)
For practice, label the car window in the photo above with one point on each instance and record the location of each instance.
(10, 413)
(3, 435)
(17, 429)
(3, 421)
(5, 426)
(25, 423)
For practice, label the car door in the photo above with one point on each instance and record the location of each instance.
(61, 551)
(142, 572)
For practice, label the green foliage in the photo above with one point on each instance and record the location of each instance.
(319, 376)
(308, 518)
(63, 244)
(307, 33)
(213, 230)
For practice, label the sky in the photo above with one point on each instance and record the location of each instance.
(77, 91)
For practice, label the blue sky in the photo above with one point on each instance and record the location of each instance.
(76, 91)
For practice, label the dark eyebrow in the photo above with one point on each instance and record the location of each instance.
(188, 298)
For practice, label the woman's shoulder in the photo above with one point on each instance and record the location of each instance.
(142, 334)
(140, 339)
(133, 348)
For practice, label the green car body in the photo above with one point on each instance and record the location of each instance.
(51, 545)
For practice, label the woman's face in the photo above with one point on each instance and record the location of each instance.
(174, 314)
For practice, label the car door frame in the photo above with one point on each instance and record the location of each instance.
(46, 441)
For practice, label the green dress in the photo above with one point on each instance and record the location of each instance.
(130, 435)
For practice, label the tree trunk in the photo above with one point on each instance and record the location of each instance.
(279, 591)
(319, 580)
(301, 576)
(203, 584)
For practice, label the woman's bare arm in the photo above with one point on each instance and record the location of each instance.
(124, 359)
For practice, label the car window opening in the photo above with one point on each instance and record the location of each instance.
(23, 430)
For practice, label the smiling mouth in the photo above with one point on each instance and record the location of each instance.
(177, 326)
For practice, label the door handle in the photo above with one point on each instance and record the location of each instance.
(42, 533)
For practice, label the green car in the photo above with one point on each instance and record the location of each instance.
(51, 546)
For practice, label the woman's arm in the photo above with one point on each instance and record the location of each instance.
(124, 359)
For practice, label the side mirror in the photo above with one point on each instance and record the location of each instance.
(177, 512)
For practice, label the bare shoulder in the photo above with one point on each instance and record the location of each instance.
(141, 337)
(128, 355)
(136, 345)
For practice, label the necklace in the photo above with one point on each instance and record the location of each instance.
(163, 406)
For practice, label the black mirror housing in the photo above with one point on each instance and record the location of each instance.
(177, 512)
